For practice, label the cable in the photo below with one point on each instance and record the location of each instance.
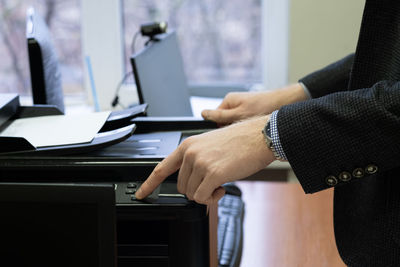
(134, 41)
(115, 101)
(150, 30)
(151, 39)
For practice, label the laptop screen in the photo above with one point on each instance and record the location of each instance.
(160, 78)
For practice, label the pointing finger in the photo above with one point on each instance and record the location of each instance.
(164, 169)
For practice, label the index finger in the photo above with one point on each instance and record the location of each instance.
(164, 169)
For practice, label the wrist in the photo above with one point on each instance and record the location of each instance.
(292, 94)
(265, 154)
(271, 137)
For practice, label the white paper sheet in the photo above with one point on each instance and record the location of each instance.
(199, 103)
(59, 129)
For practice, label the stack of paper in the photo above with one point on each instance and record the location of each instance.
(57, 130)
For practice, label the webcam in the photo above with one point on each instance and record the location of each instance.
(153, 28)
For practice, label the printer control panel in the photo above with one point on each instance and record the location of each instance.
(125, 192)
(165, 193)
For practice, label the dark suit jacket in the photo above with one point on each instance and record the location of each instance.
(348, 137)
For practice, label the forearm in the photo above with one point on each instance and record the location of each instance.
(291, 94)
(332, 78)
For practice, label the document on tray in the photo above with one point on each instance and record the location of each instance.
(58, 130)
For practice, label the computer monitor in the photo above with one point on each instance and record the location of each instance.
(160, 78)
(43, 63)
(57, 225)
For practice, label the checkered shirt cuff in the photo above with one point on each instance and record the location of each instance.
(275, 135)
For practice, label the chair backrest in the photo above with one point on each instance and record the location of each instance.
(43, 62)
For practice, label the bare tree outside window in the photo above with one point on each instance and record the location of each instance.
(220, 40)
(63, 19)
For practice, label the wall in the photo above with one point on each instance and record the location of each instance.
(321, 32)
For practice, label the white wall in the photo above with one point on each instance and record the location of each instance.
(321, 32)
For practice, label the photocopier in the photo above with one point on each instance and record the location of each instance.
(170, 230)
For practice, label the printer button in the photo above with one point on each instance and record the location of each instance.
(132, 185)
(130, 191)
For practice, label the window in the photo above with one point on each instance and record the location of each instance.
(219, 40)
(63, 19)
(230, 41)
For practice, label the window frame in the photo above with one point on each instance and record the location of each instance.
(102, 43)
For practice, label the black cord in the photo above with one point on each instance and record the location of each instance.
(115, 101)
(152, 38)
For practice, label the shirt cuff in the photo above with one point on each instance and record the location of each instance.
(275, 135)
(306, 91)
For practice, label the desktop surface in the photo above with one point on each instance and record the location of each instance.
(285, 227)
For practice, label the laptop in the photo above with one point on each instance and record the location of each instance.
(160, 78)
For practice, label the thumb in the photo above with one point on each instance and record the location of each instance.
(221, 116)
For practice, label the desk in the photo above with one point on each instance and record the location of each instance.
(285, 227)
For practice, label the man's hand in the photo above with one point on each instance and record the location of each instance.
(240, 105)
(211, 159)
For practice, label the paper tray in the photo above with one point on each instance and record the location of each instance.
(20, 146)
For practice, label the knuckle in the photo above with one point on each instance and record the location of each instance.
(218, 113)
(190, 154)
(179, 187)
(201, 164)
(184, 144)
(230, 95)
(200, 199)
(214, 172)
(187, 143)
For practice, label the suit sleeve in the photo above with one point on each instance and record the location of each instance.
(330, 79)
(342, 133)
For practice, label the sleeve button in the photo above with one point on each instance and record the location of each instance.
(358, 172)
(345, 176)
(331, 180)
(371, 169)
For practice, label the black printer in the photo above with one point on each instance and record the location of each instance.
(168, 231)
